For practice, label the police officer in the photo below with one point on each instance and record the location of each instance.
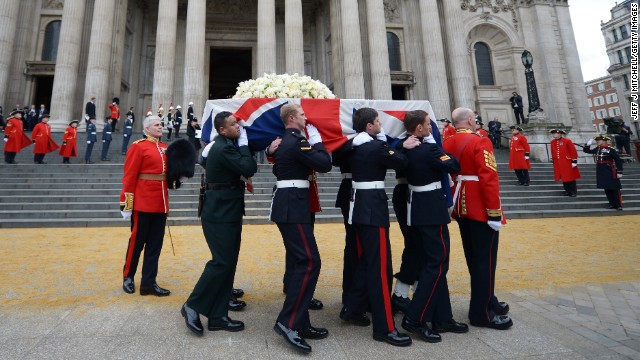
(177, 121)
(477, 209)
(369, 214)
(295, 160)
(106, 139)
(92, 138)
(428, 216)
(127, 132)
(608, 170)
(221, 217)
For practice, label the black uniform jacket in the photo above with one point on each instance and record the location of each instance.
(369, 162)
(340, 158)
(426, 164)
(294, 160)
(608, 166)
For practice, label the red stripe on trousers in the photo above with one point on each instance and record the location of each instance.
(620, 197)
(132, 244)
(358, 245)
(433, 289)
(306, 275)
(386, 297)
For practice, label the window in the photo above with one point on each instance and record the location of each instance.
(393, 43)
(628, 51)
(589, 90)
(589, 104)
(624, 32)
(51, 38)
(620, 57)
(615, 35)
(593, 117)
(614, 111)
(601, 114)
(625, 77)
(611, 98)
(601, 87)
(598, 100)
(483, 64)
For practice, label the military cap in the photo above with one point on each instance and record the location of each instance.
(445, 121)
(601, 137)
(557, 131)
(515, 127)
(73, 121)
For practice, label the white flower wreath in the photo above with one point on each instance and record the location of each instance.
(283, 86)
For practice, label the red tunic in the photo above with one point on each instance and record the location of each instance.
(145, 156)
(518, 149)
(115, 111)
(483, 132)
(41, 134)
(477, 200)
(69, 146)
(564, 153)
(16, 139)
(447, 132)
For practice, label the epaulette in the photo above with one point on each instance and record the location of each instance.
(139, 140)
(299, 136)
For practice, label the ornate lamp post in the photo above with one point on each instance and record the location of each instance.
(532, 90)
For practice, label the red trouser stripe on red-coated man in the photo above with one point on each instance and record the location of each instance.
(386, 297)
(306, 275)
(132, 243)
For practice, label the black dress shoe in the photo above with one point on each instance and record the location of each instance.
(393, 338)
(128, 285)
(422, 330)
(451, 326)
(573, 195)
(192, 319)
(225, 323)
(237, 293)
(154, 290)
(236, 305)
(499, 322)
(315, 304)
(359, 319)
(503, 308)
(313, 333)
(292, 337)
(400, 303)
(89, 162)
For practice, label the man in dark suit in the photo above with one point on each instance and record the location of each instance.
(92, 138)
(127, 131)
(177, 121)
(90, 110)
(106, 139)
(222, 213)
(296, 159)
(516, 105)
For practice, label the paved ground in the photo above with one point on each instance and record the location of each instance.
(573, 285)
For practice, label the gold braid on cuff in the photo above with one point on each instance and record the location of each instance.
(128, 202)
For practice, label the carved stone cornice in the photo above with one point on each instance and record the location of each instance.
(52, 4)
(487, 7)
(391, 11)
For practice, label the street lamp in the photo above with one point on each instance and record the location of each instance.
(532, 90)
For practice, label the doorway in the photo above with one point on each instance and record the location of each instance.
(44, 88)
(227, 68)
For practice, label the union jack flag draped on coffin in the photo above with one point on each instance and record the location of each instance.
(332, 117)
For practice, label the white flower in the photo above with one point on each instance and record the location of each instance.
(283, 86)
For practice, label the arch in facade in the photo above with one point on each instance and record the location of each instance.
(51, 40)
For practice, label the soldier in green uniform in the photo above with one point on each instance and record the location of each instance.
(222, 213)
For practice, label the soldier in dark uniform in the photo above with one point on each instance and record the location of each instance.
(295, 160)
(369, 214)
(92, 138)
(127, 131)
(190, 115)
(222, 213)
(608, 170)
(106, 140)
(428, 217)
(177, 120)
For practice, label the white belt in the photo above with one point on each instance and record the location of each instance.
(423, 188)
(93, 133)
(281, 184)
(402, 181)
(346, 175)
(362, 185)
(108, 133)
(128, 127)
(459, 180)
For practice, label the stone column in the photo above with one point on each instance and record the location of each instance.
(378, 51)
(66, 74)
(337, 73)
(352, 50)
(266, 52)
(8, 23)
(293, 36)
(461, 75)
(194, 56)
(99, 63)
(437, 92)
(165, 57)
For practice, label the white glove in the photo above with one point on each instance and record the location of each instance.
(243, 140)
(205, 152)
(619, 176)
(429, 139)
(590, 142)
(450, 180)
(104, 140)
(450, 210)
(86, 117)
(381, 135)
(361, 138)
(574, 165)
(5, 139)
(526, 158)
(125, 135)
(495, 225)
(126, 214)
(88, 141)
(314, 135)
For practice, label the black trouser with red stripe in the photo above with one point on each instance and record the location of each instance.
(480, 243)
(147, 232)
(289, 261)
(432, 296)
(373, 278)
(304, 260)
(410, 266)
(614, 196)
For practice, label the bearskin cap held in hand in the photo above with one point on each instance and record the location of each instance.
(180, 162)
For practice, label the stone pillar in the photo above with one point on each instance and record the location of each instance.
(66, 74)
(378, 51)
(165, 57)
(293, 36)
(8, 23)
(437, 91)
(194, 56)
(352, 50)
(99, 63)
(266, 52)
(461, 75)
(337, 73)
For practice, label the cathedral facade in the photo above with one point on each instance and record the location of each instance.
(151, 52)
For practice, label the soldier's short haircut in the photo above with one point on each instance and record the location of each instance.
(362, 117)
(149, 120)
(414, 118)
(461, 114)
(288, 110)
(220, 120)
